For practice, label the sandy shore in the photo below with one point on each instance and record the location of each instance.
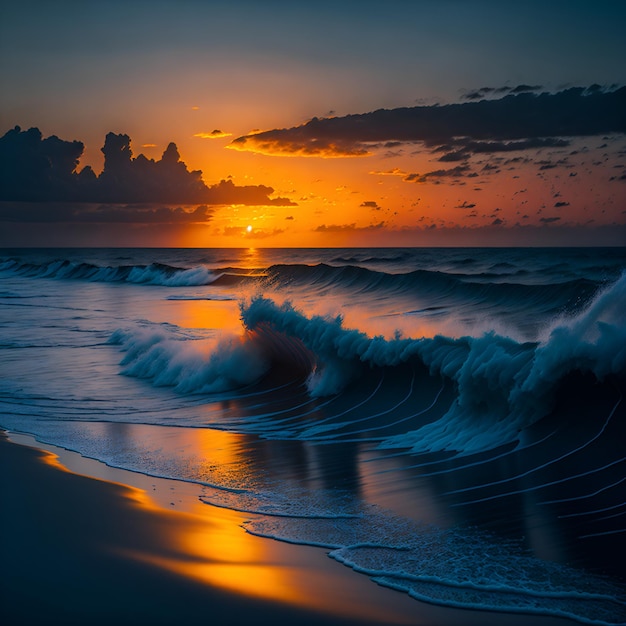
(79, 550)
(82, 551)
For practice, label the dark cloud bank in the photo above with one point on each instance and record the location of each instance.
(526, 119)
(34, 171)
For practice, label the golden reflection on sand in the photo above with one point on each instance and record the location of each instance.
(208, 544)
(217, 551)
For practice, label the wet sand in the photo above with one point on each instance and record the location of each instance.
(79, 550)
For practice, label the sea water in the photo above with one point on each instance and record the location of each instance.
(449, 422)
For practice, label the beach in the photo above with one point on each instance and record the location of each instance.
(200, 439)
(82, 550)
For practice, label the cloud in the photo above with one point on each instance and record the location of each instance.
(558, 205)
(264, 234)
(292, 142)
(214, 134)
(462, 148)
(454, 172)
(518, 116)
(44, 212)
(483, 92)
(226, 192)
(370, 204)
(33, 169)
(549, 220)
(342, 228)
(465, 205)
(396, 171)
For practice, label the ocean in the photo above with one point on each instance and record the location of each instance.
(448, 422)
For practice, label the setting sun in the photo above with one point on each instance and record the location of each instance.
(249, 228)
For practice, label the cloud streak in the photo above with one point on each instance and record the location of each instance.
(521, 117)
(43, 212)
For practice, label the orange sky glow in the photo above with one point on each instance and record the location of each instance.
(276, 107)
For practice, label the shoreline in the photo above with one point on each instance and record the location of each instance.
(79, 549)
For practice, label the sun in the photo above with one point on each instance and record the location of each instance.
(249, 228)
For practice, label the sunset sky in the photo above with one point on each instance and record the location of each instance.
(505, 123)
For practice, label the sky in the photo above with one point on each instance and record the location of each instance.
(287, 124)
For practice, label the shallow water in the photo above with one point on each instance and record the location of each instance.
(448, 422)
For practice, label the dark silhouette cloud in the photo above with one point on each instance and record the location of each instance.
(33, 169)
(46, 212)
(455, 172)
(370, 204)
(484, 92)
(226, 192)
(518, 116)
(462, 148)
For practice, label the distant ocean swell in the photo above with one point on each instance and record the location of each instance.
(153, 274)
(499, 386)
(494, 289)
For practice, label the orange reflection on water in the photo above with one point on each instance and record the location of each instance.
(214, 314)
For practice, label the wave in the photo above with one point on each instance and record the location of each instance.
(485, 288)
(152, 274)
(465, 395)
(190, 366)
(482, 289)
(455, 567)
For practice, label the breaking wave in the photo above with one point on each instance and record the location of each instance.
(466, 394)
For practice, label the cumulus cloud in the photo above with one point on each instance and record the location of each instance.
(520, 115)
(33, 169)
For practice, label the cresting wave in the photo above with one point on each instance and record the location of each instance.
(500, 386)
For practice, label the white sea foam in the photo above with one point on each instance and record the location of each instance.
(191, 366)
